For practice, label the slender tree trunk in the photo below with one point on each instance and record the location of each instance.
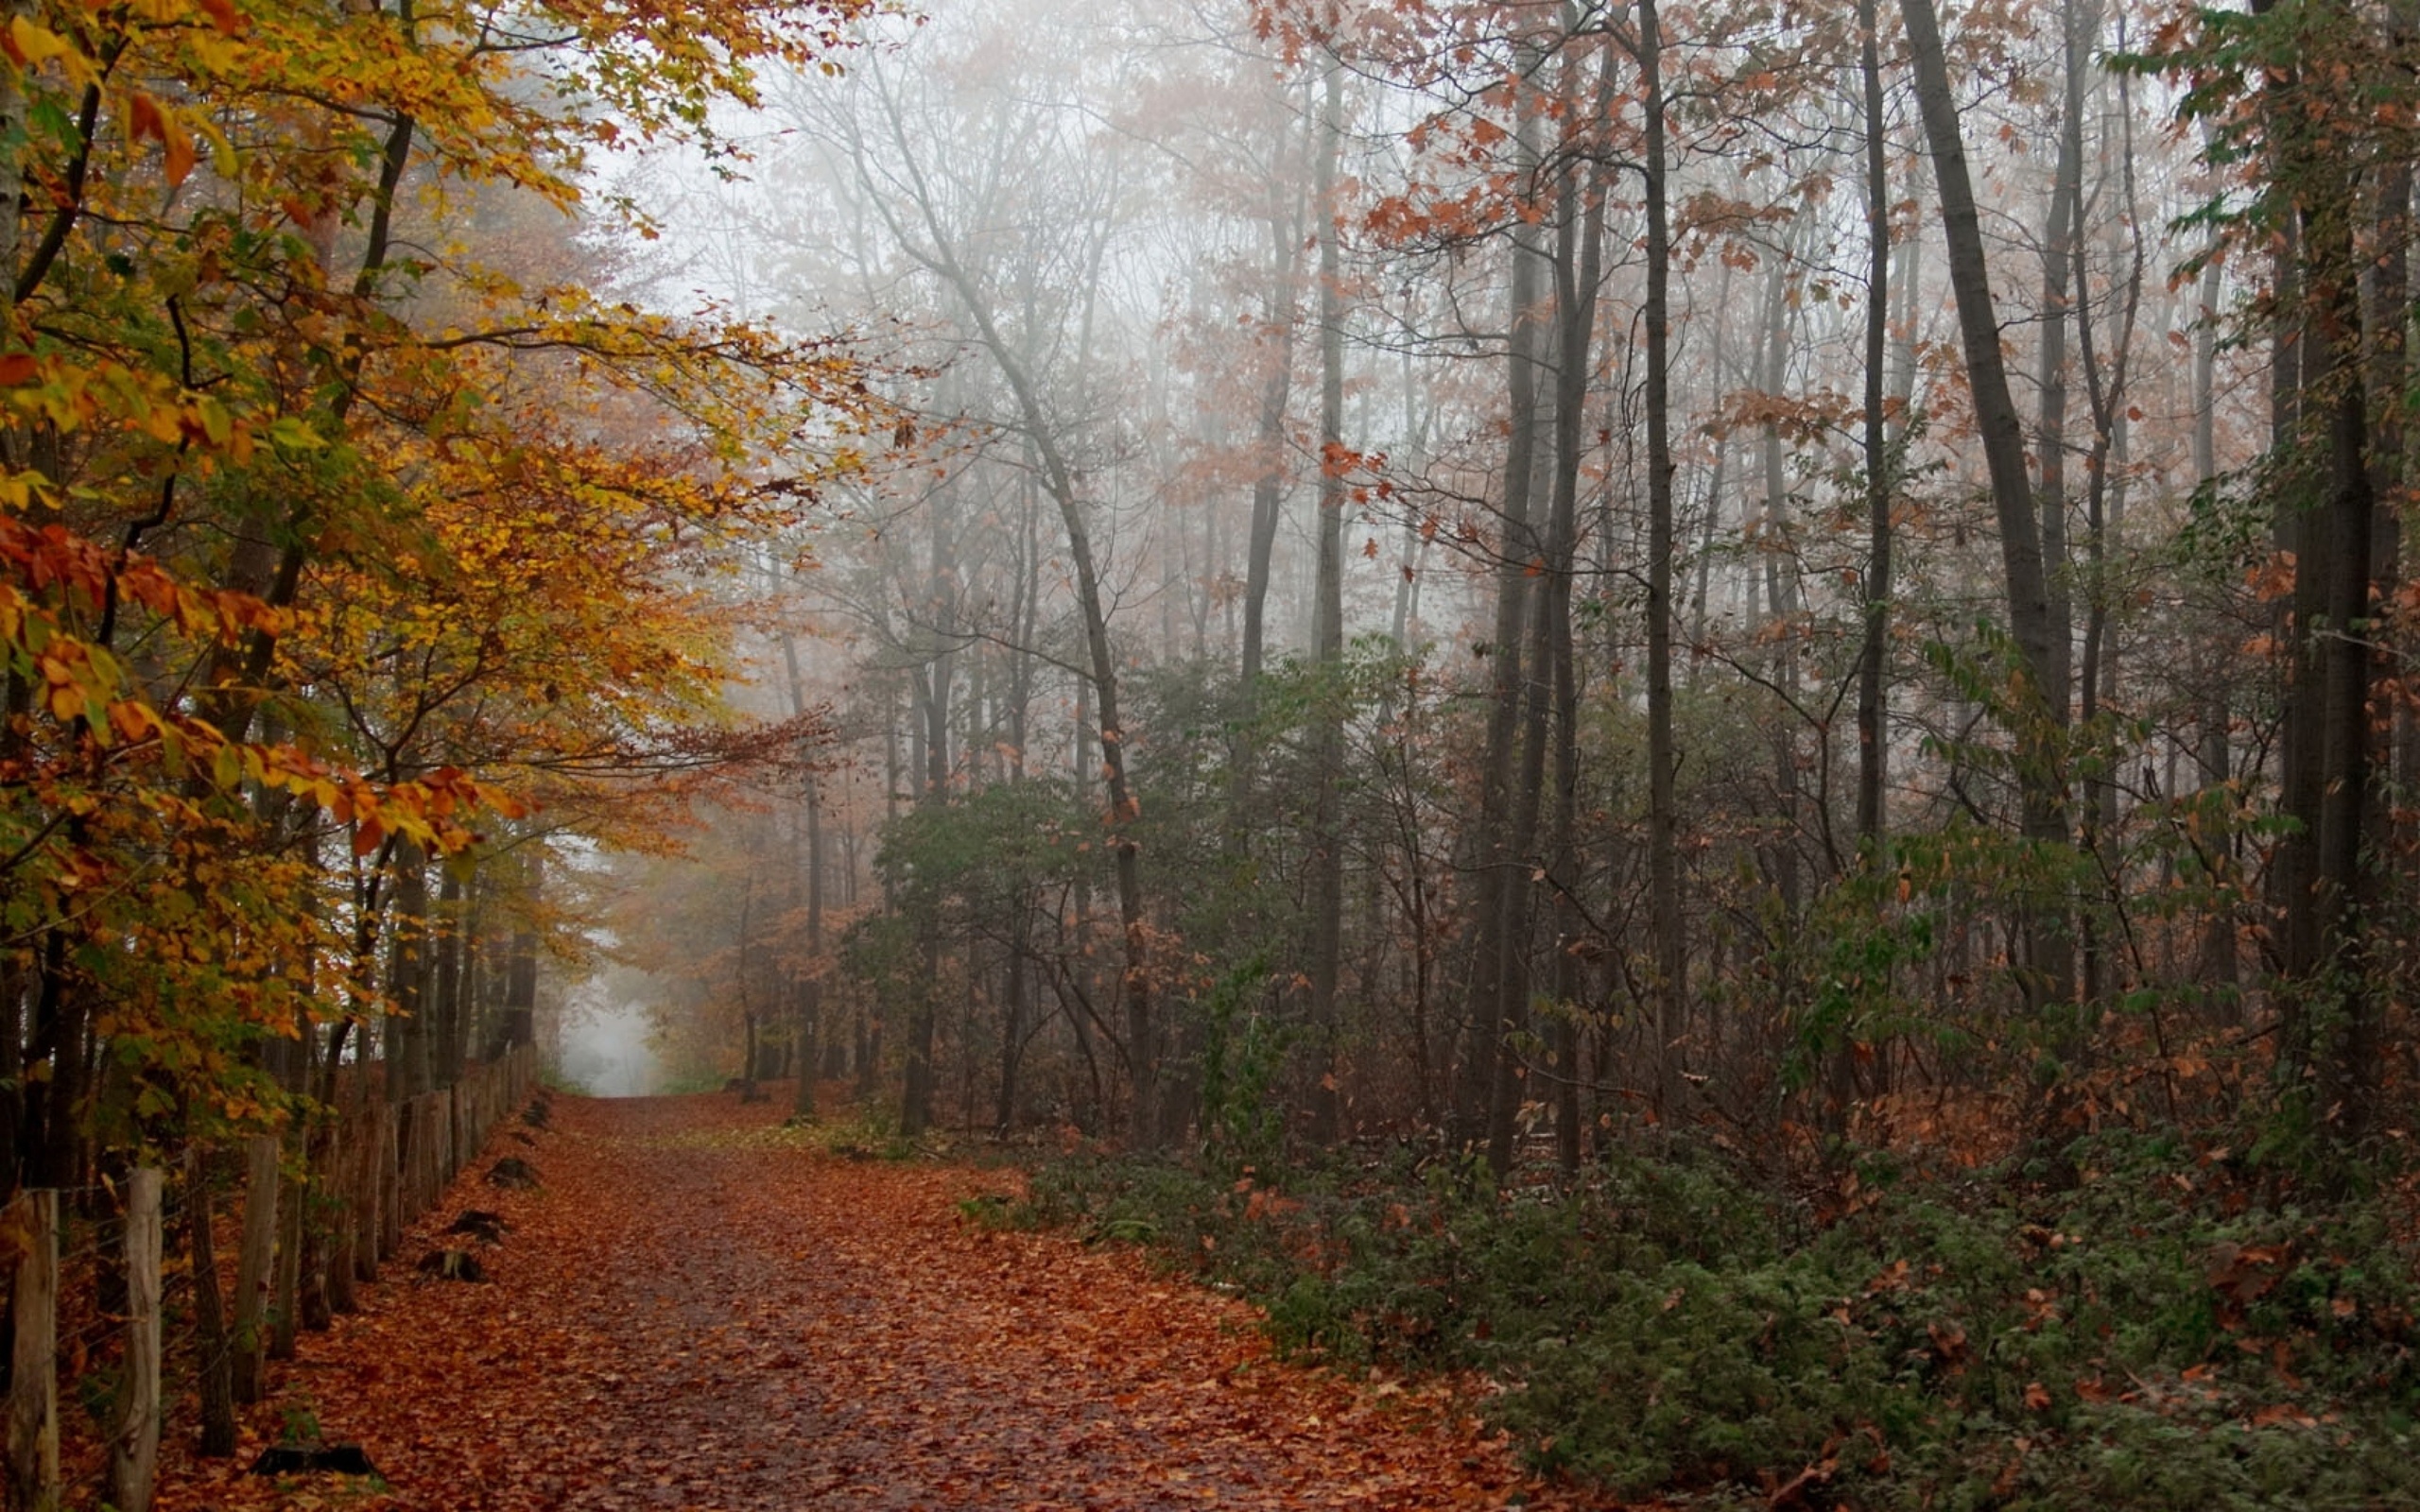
(935, 680)
(1327, 881)
(2107, 388)
(408, 947)
(210, 1316)
(1873, 683)
(1873, 693)
(1285, 219)
(810, 998)
(1663, 803)
(1013, 1029)
(2058, 293)
(521, 969)
(451, 940)
(1783, 599)
(1495, 885)
(2040, 637)
(1577, 272)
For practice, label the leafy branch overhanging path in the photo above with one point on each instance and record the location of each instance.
(695, 1311)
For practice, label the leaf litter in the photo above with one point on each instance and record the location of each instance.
(698, 1312)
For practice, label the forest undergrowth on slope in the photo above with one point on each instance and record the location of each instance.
(2165, 1327)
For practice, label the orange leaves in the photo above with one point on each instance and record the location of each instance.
(2271, 578)
(703, 1308)
(51, 558)
(65, 578)
(148, 117)
(1802, 417)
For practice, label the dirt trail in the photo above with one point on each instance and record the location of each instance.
(698, 1312)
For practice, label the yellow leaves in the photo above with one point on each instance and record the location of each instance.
(29, 44)
(63, 691)
(135, 720)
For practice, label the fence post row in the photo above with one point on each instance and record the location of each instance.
(409, 1154)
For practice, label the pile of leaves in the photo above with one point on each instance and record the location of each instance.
(2142, 1338)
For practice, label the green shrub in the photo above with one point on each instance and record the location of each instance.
(2147, 1339)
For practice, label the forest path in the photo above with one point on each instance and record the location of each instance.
(697, 1310)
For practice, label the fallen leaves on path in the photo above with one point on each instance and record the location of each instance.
(698, 1310)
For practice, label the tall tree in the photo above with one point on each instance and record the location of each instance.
(2039, 706)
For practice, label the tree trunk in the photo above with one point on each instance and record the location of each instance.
(33, 1372)
(210, 1318)
(2058, 293)
(1495, 889)
(445, 1007)
(1662, 812)
(1577, 274)
(2041, 716)
(810, 1001)
(1327, 879)
(1018, 994)
(408, 1058)
(1873, 692)
(134, 1447)
(253, 1279)
(1269, 432)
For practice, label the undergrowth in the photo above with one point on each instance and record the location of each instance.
(2151, 1337)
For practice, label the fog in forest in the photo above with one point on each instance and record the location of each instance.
(1707, 706)
(605, 1047)
(1447, 562)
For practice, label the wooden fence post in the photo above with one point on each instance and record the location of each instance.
(135, 1453)
(33, 1382)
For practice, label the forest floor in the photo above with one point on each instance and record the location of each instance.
(699, 1307)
